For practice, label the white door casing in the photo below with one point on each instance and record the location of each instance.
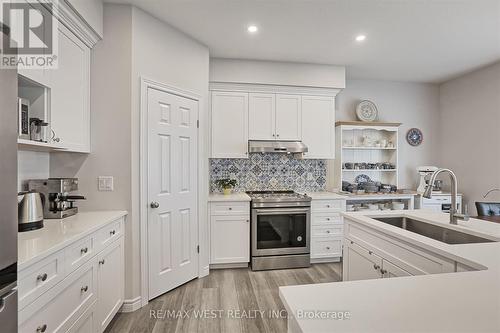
(172, 190)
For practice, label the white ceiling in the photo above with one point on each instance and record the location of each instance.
(407, 40)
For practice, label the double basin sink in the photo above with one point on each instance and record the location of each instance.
(435, 232)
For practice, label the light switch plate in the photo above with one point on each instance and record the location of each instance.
(105, 183)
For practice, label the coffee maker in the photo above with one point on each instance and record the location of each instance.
(56, 192)
(425, 174)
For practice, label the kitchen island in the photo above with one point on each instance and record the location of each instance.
(467, 299)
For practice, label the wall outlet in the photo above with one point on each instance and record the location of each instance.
(105, 183)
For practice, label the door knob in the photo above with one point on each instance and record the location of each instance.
(154, 204)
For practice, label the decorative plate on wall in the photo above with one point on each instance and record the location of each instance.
(366, 111)
(414, 137)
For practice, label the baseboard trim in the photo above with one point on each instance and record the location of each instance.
(324, 260)
(131, 305)
(232, 265)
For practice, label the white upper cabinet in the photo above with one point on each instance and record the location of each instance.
(69, 95)
(288, 117)
(229, 116)
(262, 116)
(275, 117)
(318, 126)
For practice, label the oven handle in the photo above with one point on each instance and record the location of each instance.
(277, 211)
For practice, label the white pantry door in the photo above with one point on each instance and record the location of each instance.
(172, 187)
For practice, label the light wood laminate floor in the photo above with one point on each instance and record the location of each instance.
(232, 298)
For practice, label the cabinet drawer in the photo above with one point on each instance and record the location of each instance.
(327, 230)
(58, 309)
(326, 218)
(78, 253)
(108, 234)
(325, 247)
(230, 208)
(37, 279)
(328, 205)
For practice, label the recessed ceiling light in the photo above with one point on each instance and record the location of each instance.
(360, 38)
(252, 29)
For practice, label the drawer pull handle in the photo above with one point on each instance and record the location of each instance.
(84, 250)
(328, 231)
(328, 219)
(328, 248)
(42, 277)
(42, 328)
(328, 206)
(112, 232)
(101, 262)
(84, 289)
(376, 267)
(230, 208)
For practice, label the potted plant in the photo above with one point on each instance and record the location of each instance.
(226, 185)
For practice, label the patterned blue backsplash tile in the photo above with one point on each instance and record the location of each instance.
(262, 172)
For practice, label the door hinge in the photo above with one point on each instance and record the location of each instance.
(198, 123)
(198, 248)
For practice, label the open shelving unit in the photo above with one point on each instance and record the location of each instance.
(362, 142)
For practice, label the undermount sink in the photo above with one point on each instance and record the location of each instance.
(438, 233)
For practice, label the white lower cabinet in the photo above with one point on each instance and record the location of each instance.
(326, 230)
(229, 233)
(370, 254)
(362, 264)
(111, 289)
(88, 292)
(87, 323)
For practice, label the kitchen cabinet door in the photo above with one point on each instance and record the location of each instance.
(360, 264)
(69, 95)
(390, 270)
(229, 123)
(111, 284)
(288, 117)
(230, 239)
(318, 126)
(261, 116)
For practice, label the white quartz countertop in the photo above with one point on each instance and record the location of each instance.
(451, 302)
(59, 233)
(235, 196)
(325, 195)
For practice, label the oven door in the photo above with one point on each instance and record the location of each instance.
(280, 231)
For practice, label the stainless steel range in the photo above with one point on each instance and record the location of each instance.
(281, 224)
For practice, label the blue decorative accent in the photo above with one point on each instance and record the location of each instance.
(270, 172)
(414, 137)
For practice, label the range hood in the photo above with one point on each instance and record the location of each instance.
(292, 147)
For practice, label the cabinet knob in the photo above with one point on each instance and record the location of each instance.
(328, 206)
(42, 277)
(112, 232)
(248, 221)
(383, 271)
(101, 262)
(154, 204)
(84, 289)
(328, 248)
(328, 219)
(84, 250)
(370, 252)
(376, 267)
(42, 328)
(278, 135)
(230, 208)
(328, 231)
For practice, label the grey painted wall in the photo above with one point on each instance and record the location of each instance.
(470, 136)
(413, 104)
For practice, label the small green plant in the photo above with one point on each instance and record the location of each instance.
(226, 183)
